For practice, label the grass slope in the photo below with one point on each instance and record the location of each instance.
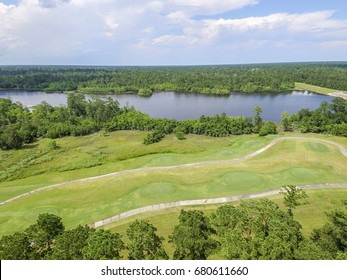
(80, 157)
(288, 162)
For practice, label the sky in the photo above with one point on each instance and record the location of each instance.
(171, 32)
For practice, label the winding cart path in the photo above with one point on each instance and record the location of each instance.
(190, 202)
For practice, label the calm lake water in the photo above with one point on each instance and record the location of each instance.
(182, 106)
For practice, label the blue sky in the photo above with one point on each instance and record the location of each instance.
(171, 32)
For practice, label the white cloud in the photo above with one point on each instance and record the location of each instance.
(174, 40)
(212, 6)
(311, 23)
(114, 31)
(306, 22)
(52, 3)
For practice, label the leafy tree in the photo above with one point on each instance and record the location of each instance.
(15, 247)
(70, 244)
(341, 256)
(293, 197)
(43, 233)
(328, 118)
(192, 236)
(103, 245)
(76, 104)
(10, 138)
(153, 137)
(27, 132)
(256, 230)
(332, 237)
(285, 121)
(146, 92)
(309, 250)
(268, 128)
(179, 133)
(257, 120)
(5, 107)
(144, 243)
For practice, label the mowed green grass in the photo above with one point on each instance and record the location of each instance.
(310, 216)
(317, 89)
(295, 162)
(79, 157)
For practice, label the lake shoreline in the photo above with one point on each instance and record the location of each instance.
(182, 106)
(321, 90)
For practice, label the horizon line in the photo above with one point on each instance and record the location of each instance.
(176, 65)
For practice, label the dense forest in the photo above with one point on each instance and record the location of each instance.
(19, 125)
(254, 230)
(199, 79)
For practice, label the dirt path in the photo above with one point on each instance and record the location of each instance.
(220, 200)
(253, 154)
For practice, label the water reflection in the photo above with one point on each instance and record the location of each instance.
(191, 106)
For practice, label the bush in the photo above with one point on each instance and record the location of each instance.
(153, 137)
(179, 133)
(10, 138)
(145, 92)
(53, 145)
(268, 128)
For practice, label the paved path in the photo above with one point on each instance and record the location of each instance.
(220, 200)
(340, 147)
(338, 94)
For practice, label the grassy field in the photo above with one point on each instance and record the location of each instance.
(80, 157)
(288, 162)
(310, 216)
(316, 89)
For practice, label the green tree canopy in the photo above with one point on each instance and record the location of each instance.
(144, 243)
(70, 244)
(332, 237)
(43, 233)
(192, 236)
(256, 230)
(15, 247)
(103, 245)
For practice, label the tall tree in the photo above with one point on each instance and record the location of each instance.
(76, 104)
(144, 243)
(10, 137)
(293, 197)
(332, 237)
(103, 245)
(285, 121)
(256, 230)
(43, 233)
(192, 236)
(15, 247)
(70, 244)
(257, 120)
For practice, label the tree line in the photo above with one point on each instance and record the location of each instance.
(19, 125)
(198, 79)
(329, 118)
(254, 230)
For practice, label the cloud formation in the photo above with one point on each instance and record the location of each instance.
(160, 32)
(208, 7)
(52, 3)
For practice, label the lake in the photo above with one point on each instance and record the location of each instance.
(182, 106)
